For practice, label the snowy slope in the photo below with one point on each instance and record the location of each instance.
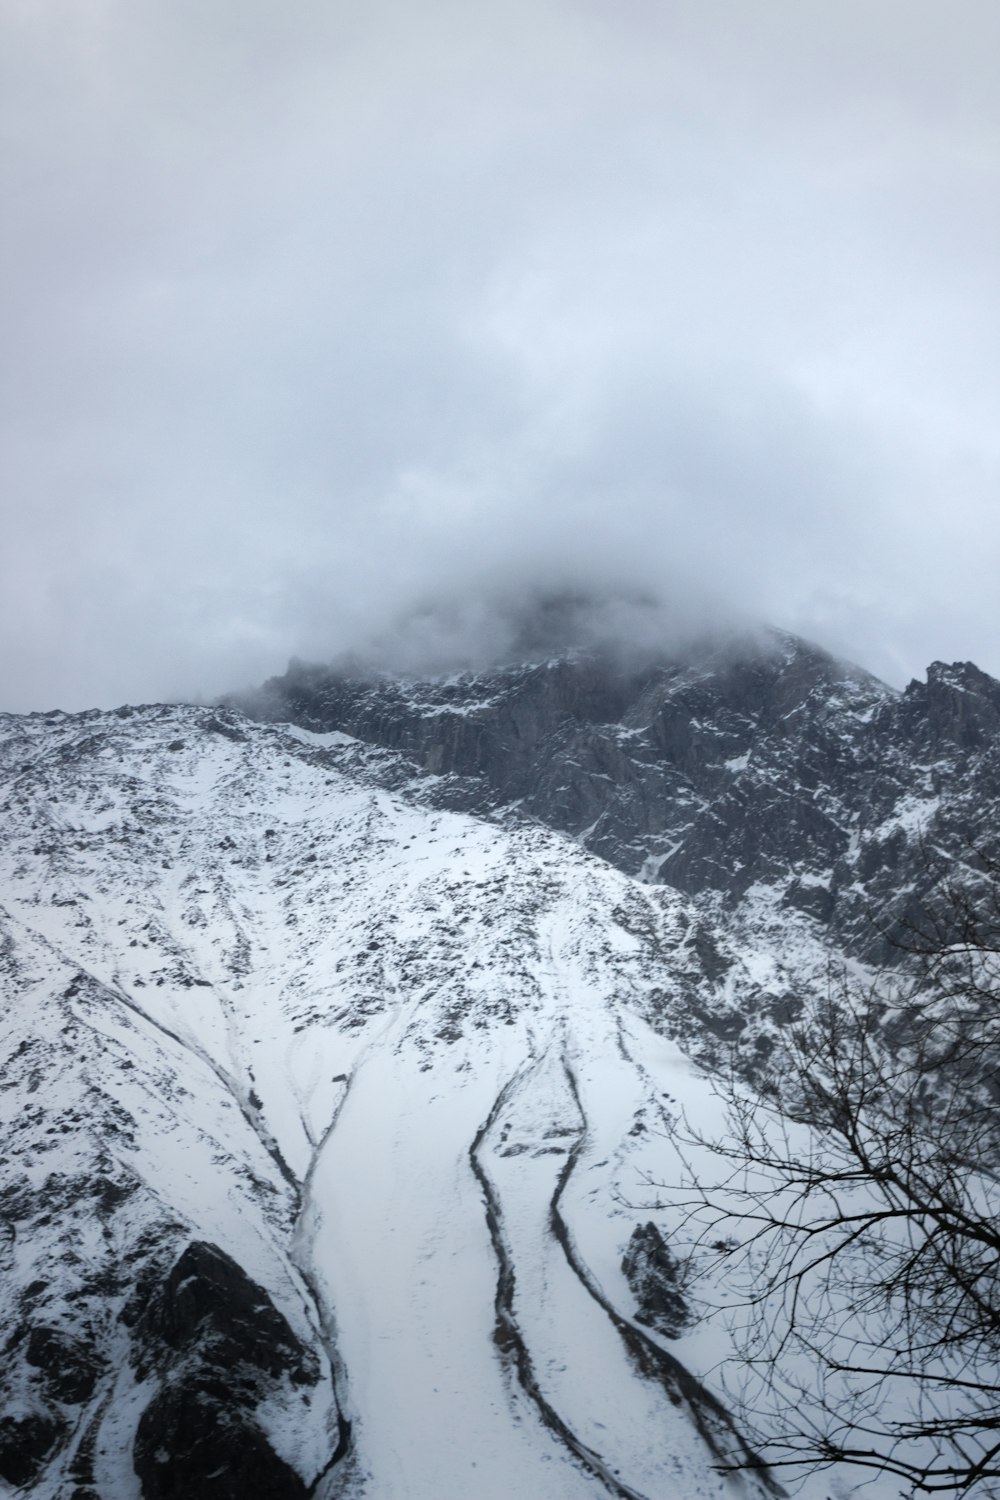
(327, 1120)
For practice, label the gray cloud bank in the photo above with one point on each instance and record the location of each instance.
(318, 313)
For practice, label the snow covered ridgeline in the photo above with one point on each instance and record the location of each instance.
(752, 766)
(323, 1114)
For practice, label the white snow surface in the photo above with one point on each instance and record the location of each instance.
(379, 1054)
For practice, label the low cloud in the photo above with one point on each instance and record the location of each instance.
(328, 324)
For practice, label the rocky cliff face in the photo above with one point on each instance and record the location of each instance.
(762, 770)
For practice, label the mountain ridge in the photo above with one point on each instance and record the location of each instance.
(758, 758)
(340, 1057)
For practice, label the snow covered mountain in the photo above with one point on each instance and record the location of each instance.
(756, 768)
(342, 1047)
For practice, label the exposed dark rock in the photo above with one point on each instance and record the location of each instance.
(17, 1200)
(714, 964)
(194, 1443)
(958, 706)
(220, 1345)
(813, 898)
(69, 1369)
(208, 1303)
(26, 1443)
(655, 1279)
(220, 724)
(784, 1009)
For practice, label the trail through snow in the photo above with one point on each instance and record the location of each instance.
(401, 1250)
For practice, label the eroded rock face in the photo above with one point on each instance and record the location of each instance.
(220, 1345)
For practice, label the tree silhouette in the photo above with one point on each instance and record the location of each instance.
(853, 1210)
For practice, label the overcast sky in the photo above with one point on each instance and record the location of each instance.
(314, 312)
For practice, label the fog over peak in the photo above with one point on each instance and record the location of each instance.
(324, 326)
(467, 633)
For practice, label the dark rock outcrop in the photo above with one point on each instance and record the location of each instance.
(654, 1277)
(220, 1345)
(208, 1304)
(194, 1442)
(68, 1368)
(26, 1443)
